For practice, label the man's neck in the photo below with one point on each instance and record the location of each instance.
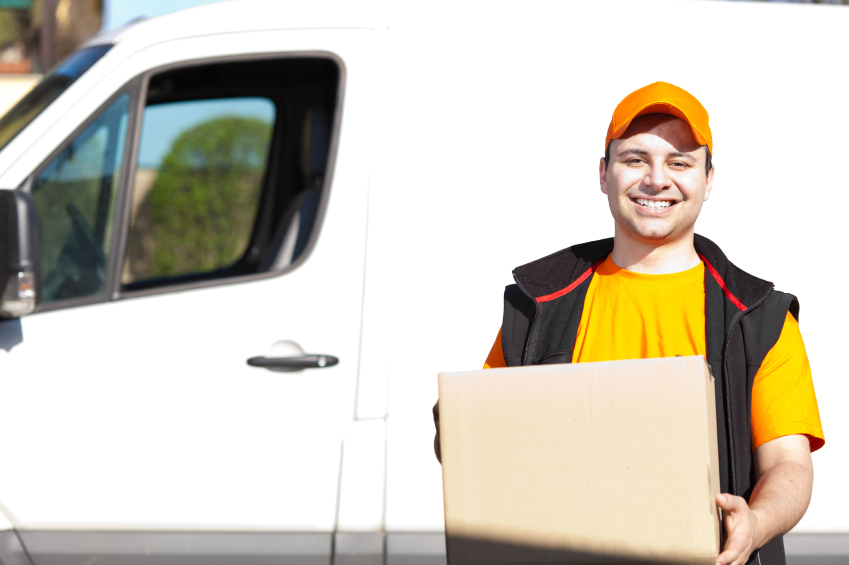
(673, 257)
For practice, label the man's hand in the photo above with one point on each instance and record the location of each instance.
(741, 524)
(785, 475)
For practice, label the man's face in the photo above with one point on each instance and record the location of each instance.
(655, 181)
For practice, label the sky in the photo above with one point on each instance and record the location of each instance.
(118, 12)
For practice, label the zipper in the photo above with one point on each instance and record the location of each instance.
(729, 416)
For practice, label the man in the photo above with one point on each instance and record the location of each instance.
(658, 290)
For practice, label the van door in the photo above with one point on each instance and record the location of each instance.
(193, 365)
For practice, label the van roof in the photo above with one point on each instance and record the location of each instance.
(234, 16)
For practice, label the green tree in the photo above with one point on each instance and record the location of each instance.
(202, 206)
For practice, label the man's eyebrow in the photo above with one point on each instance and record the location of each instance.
(632, 152)
(679, 154)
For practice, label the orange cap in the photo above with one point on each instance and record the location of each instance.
(661, 98)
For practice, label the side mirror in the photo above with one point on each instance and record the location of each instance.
(20, 258)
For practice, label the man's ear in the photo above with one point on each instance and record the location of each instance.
(602, 175)
(709, 183)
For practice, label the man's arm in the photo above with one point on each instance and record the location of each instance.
(785, 476)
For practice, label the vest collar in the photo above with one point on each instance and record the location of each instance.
(556, 275)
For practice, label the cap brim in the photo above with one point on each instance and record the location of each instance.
(661, 108)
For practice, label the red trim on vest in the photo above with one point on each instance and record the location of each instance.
(731, 297)
(572, 286)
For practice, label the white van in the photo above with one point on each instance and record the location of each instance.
(247, 236)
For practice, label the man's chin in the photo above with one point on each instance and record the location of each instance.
(652, 231)
(653, 235)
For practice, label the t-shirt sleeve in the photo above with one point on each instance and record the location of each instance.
(496, 355)
(783, 399)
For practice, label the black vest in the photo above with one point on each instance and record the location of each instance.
(744, 316)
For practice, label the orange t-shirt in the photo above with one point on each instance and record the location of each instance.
(630, 315)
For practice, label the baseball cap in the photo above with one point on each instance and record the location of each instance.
(661, 98)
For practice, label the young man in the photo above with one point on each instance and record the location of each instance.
(658, 290)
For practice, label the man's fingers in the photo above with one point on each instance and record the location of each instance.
(738, 524)
(730, 502)
(735, 547)
(727, 557)
(730, 557)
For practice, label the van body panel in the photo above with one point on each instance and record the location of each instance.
(148, 406)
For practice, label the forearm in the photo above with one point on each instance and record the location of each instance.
(785, 475)
(780, 499)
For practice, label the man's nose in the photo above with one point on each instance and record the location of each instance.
(657, 178)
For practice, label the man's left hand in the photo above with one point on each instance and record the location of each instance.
(741, 524)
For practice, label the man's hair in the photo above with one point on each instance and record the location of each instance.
(708, 163)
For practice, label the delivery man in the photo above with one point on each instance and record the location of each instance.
(656, 289)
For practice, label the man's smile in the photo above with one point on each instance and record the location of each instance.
(655, 204)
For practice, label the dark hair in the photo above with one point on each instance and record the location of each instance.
(708, 162)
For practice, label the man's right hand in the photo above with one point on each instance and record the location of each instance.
(436, 446)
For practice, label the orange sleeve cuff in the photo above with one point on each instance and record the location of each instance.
(783, 398)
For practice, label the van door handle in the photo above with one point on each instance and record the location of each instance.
(292, 364)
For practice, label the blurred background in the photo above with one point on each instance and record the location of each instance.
(35, 35)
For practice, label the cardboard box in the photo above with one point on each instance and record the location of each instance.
(588, 463)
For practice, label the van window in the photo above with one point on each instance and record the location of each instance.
(229, 170)
(197, 185)
(74, 197)
(48, 90)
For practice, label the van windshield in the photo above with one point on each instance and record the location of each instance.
(48, 90)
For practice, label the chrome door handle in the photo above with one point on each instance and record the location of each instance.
(292, 364)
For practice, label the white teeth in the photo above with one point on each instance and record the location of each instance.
(654, 204)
